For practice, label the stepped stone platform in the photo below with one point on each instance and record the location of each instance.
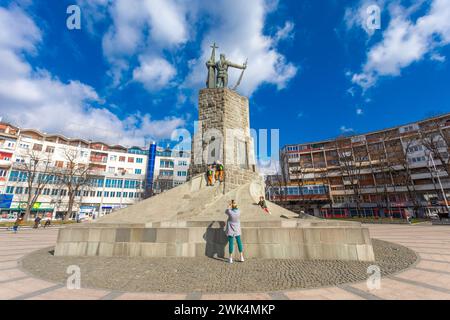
(189, 221)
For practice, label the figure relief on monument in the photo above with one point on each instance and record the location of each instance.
(218, 71)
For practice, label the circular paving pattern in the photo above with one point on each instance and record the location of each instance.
(205, 275)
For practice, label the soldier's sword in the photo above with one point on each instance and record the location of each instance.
(241, 76)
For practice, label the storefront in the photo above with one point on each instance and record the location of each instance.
(15, 209)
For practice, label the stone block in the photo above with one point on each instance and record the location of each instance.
(365, 252)
(197, 235)
(182, 235)
(92, 249)
(149, 235)
(136, 234)
(108, 235)
(106, 249)
(165, 235)
(64, 235)
(355, 236)
(311, 235)
(314, 251)
(250, 235)
(332, 235)
(79, 234)
(296, 236)
(123, 235)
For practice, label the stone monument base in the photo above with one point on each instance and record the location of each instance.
(189, 221)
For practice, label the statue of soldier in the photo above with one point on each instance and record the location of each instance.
(222, 71)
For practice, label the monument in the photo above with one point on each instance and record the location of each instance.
(188, 221)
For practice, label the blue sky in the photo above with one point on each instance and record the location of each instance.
(132, 73)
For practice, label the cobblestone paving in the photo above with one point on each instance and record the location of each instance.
(204, 275)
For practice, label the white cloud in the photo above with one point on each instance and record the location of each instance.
(406, 41)
(359, 111)
(239, 33)
(344, 129)
(438, 57)
(36, 99)
(286, 32)
(154, 73)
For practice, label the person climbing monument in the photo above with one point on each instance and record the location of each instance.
(219, 171)
(210, 176)
(233, 230)
(262, 203)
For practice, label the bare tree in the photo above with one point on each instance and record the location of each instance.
(351, 163)
(36, 171)
(436, 140)
(404, 175)
(74, 177)
(383, 166)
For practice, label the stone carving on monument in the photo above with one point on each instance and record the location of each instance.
(188, 221)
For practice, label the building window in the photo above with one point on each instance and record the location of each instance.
(182, 173)
(139, 160)
(118, 194)
(37, 147)
(114, 183)
(113, 194)
(125, 194)
(10, 190)
(50, 149)
(122, 159)
(182, 163)
(99, 194)
(111, 170)
(113, 158)
(54, 192)
(168, 164)
(130, 159)
(106, 194)
(138, 171)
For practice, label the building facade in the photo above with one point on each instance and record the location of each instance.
(116, 176)
(390, 172)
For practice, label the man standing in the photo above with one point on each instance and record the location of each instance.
(210, 176)
(222, 71)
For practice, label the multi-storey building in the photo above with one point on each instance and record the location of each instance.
(171, 169)
(116, 175)
(383, 173)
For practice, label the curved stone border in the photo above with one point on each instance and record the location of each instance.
(215, 276)
(428, 279)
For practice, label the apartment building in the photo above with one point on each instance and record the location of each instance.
(117, 175)
(171, 169)
(384, 173)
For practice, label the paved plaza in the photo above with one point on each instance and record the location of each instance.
(429, 278)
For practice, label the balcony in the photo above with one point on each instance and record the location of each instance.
(98, 159)
(5, 163)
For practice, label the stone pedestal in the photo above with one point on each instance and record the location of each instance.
(223, 133)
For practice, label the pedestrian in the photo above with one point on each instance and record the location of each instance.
(17, 224)
(219, 171)
(233, 230)
(262, 203)
(48, 222)
(37, 222)
(210, 176)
